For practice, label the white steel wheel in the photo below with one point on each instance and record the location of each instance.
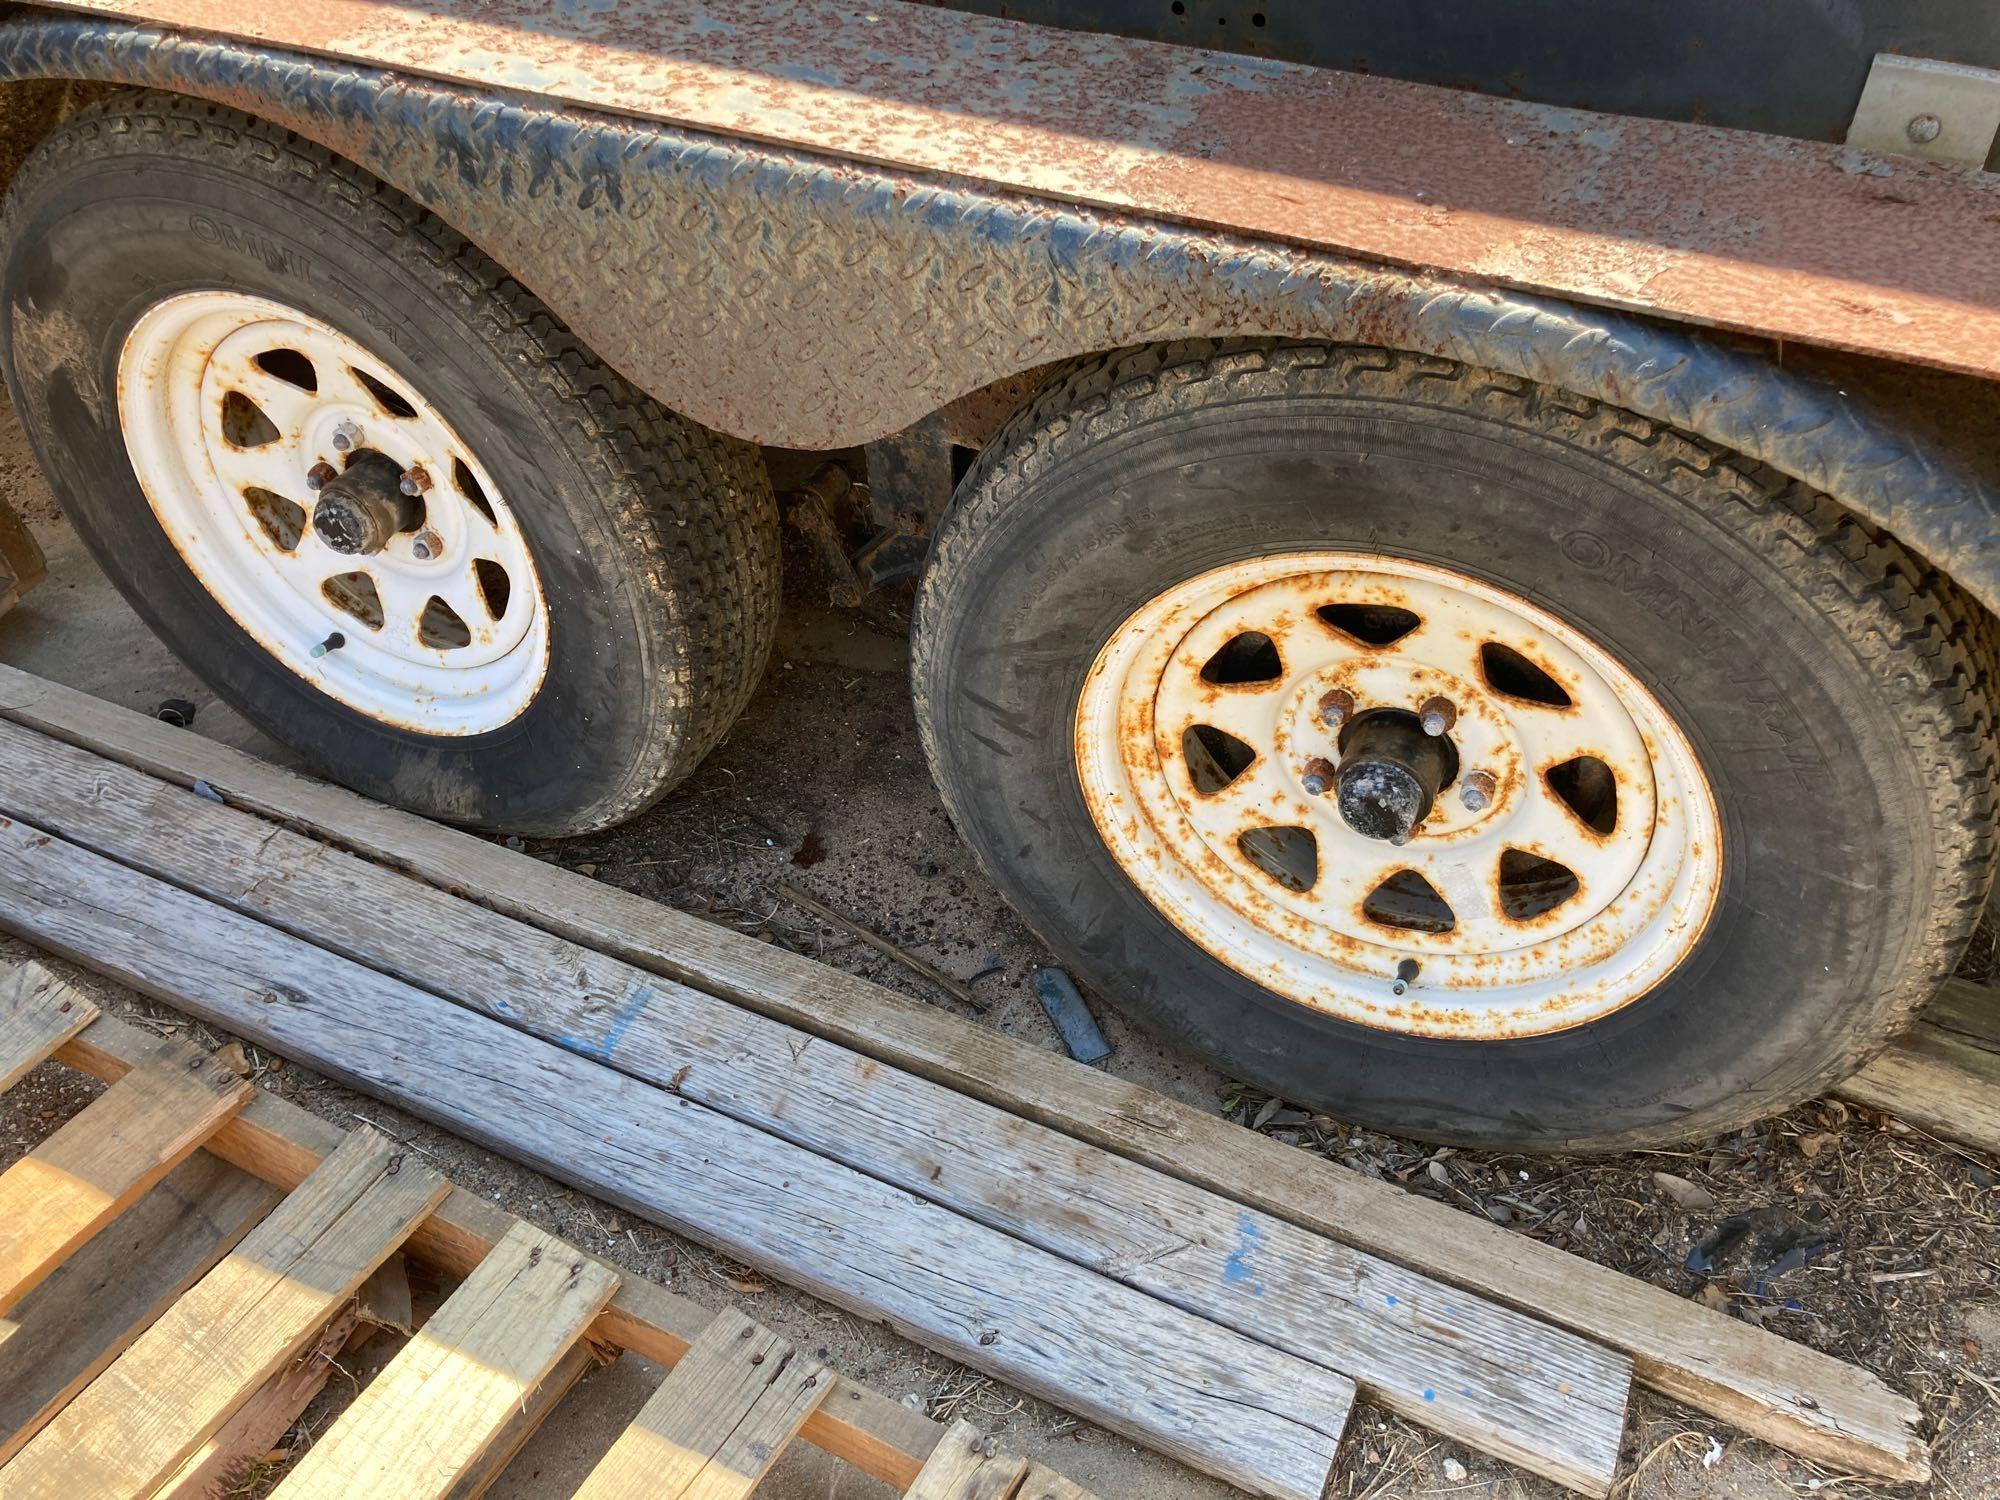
(333, 512)
(1254, 746)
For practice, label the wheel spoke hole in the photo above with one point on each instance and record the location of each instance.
(467, 484)
(1214, 757)
(392, 401)
(291, 367)
(1288, 855)
(1531, 884)
(278, 518)
(1587, 788)
(1409, 902)
(1246, 658)
(1376, 625)
(244, 424)
(355, 595)
(495, 587)
(441, 627)
(1510, 673)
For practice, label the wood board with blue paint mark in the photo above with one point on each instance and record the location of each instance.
(1253, 1416)
(1493, 1378)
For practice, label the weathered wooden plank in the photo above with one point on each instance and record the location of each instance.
(280, 1143)
(1484, 1374)
(39, 1011)
(132, 1427)
(450, 1392)
(220, 1467)
(109, 1292)
(82, 1177)
(1944, 1072)
(1764, 1384)
(1252, 1415)
(717, 1423)
(962, 1469)
(478, 1477)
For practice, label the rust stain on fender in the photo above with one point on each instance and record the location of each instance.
(1791, 239)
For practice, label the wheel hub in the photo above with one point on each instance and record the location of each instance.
(1390, 773)
(1398, 795)
(359, 512)
(334, 513)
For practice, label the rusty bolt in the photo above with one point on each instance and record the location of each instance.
(320, 475)
(346, 437)
(1334, 707)
(426, 545)
(416, 479)
(1318, 779)
(1923, 129)
(1438, 714)
(1476, 791)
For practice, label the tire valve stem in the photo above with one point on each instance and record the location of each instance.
(332, 643)
(1406, 973)
(1318, 777)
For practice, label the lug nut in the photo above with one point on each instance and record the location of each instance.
(320, 475)
(1475, 793)
(1438, 715)
(1335, 706)
(1318, 778)
(416, 479)
(346, 437)
(332, 643)
(426, 545)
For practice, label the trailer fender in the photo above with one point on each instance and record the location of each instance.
(812, 302)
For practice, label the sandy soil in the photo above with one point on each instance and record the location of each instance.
(823, 785)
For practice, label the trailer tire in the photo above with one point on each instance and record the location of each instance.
(652, 542)
(1834, 691)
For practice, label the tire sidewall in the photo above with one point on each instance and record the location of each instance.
(104, 243)
(1810, 781)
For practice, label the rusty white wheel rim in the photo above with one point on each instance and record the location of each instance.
(451, 643)
(1520, 958)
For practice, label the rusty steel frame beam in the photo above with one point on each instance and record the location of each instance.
(1788, 239)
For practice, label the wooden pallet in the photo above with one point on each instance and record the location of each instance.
(182, 1260)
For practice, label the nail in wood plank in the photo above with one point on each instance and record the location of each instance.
(109, 1292)
(82, 1177)
(718, 1421)
(181, 1379)
(962, 1469)
(38, 1013)
(452, 1389)
(1764, 1384)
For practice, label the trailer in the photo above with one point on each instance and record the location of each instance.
(1455, 553)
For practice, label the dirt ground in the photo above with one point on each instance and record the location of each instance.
(823, 786)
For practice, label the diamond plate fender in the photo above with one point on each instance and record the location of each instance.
(816, 303)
